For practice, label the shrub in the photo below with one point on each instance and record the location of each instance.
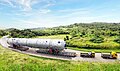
(67, 37)
(117, 40)
(97, 40)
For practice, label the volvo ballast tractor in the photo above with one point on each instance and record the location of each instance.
(50, 46)
(88, 54)
(111, 55)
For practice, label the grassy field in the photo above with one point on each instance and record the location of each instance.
(85, 43)
(108, 45)
(53, 36)
(95, 50)
(13, 61)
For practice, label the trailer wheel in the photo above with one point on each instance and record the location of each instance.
(50, 51)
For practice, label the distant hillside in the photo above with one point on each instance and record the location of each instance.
(39, 28)
(9, 29)
(75, 30)
(97, 35)
(94, 24)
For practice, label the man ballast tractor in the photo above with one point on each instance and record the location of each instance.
(111, 55)
(89, 54)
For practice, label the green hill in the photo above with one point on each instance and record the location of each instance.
(96, 35)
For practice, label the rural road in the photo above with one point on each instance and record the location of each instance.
(32, 51)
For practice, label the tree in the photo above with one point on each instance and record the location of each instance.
(117, 40)
(3, 33)
(67, 37)
(97, 39)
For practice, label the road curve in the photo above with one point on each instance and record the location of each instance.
(32, 51)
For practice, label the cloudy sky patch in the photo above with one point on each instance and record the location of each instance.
(49, 13)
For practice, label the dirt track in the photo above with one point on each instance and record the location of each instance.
(32, 51)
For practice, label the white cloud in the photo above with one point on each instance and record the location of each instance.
(26, 16)
(7, 3)
(41, 19)
(50, 20)
(44, 11)
(26, 5)
(28, 22)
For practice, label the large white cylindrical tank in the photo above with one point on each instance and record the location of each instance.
(38, 43)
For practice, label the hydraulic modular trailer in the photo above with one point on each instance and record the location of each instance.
(52, 46)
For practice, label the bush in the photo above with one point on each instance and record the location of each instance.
(97, 40)
(117, 40)
(3, 33)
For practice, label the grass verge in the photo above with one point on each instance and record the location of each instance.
(96, 50)
(14, 61)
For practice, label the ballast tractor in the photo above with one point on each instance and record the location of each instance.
(111, 55)
(88, 54)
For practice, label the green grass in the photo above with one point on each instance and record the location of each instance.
(13, 61)
(85, 43)
(53, 36)
(95, 50)
(107, 46)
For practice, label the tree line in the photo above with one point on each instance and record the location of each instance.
(28, 33)
(96, 30)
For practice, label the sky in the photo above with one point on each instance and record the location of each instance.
(50, 13)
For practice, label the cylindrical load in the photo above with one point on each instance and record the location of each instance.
(38, 43)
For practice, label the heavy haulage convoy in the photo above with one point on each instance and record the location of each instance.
(51, 46)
